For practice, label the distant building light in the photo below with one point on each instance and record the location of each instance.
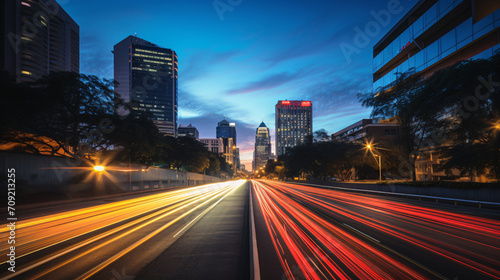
(232, 124)
(25, 4)
(25, 72)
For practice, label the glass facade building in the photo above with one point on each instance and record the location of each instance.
(146, 76)
(435, 34)
(293, 124)
(262, 151)
(226, 129)
(227, 132)
(36, 38)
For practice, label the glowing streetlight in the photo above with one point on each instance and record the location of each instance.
(379, 161)
(99, 168)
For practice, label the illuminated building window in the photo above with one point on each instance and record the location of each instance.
(25, 72)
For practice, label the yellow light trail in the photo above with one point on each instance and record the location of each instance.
(142, 213)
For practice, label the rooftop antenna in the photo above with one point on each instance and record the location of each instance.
(262, 117)
(224, 116)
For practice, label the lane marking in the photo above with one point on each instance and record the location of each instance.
(399, 254)
(255, 253)
(362, 233)
(203, 213)
(415, 263)
(317, 268)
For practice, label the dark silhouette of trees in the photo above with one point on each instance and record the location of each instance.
(58, 114)
(73, 115)
(319, 160)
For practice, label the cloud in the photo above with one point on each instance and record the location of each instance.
(200, 63)
(96, 58)
(266, 83)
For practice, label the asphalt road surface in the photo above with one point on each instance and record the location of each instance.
(118, 239)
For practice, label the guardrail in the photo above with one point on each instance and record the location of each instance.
(436, 198)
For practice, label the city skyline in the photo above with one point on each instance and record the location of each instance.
(385, 134)
(238, 63)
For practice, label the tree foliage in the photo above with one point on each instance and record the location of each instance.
(320, 160)
(56, 113)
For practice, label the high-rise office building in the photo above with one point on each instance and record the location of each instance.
(435, 34)
(147, 77)
(188, 131)
(262, 151)
(293, 124)
(36, 38)
(227, 131)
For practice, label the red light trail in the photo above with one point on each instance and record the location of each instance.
(307, 227)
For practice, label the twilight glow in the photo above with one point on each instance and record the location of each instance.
(239, 60)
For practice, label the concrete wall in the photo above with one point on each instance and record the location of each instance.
(38, 174)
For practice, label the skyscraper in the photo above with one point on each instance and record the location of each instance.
(262, 151)
(227, 131)
(36, 38)
(293, 124)
(147, 77)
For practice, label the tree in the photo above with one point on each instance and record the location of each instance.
(60, 114)
(188, 154)
(138, 140)
(470, 99)
(323, 159)
(413, 110)
(214, 167)
(321, 136)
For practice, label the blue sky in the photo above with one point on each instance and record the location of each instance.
(239, 57)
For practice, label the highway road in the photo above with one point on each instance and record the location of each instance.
(301, 232)
(315, 233)
(114, 240)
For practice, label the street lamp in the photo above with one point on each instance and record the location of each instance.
(99, 168)
(379, 161)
